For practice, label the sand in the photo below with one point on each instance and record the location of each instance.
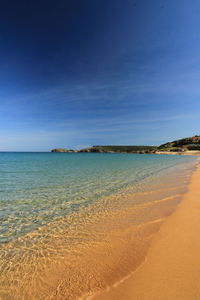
(189, 152)
(171, 270)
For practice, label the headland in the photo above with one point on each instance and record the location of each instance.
(185, 146)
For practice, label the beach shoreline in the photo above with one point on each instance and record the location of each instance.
(92, 248)
(192, 153)
(171, 269)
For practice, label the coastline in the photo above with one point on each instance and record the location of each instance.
(171, 268)
(91, 249)
(188, 152)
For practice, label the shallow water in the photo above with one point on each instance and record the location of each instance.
(74, 224)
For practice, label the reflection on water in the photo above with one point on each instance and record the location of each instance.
(52, 252)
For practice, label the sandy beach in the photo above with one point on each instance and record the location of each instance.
(171, 269)
(193, 153)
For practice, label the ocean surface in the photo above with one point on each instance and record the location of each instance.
(62, 214)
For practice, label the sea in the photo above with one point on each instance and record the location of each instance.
(74, 224)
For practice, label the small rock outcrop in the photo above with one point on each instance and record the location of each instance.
(63, 150)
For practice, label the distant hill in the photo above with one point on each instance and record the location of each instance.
(120, 149)
(62, 150)
(112, 149)
(189, 143)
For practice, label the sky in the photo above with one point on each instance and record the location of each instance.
(76, 73)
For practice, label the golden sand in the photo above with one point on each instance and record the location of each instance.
(189, 152)
(171, 270)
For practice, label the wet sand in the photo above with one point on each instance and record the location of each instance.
(171, 269)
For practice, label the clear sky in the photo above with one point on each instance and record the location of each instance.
(75, 73)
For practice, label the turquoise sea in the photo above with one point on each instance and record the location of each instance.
(36, 188)
(62, 206)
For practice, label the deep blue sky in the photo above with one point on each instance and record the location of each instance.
(82, 72)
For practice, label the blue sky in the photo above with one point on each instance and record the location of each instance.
(79, 73)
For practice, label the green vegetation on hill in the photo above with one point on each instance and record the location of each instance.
(190, 143)
(120, 149)
(113, 149)
(62, 150)
(194, 147)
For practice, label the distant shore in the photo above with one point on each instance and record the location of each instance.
(185, 146)
(141, 151)
(172, 266)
